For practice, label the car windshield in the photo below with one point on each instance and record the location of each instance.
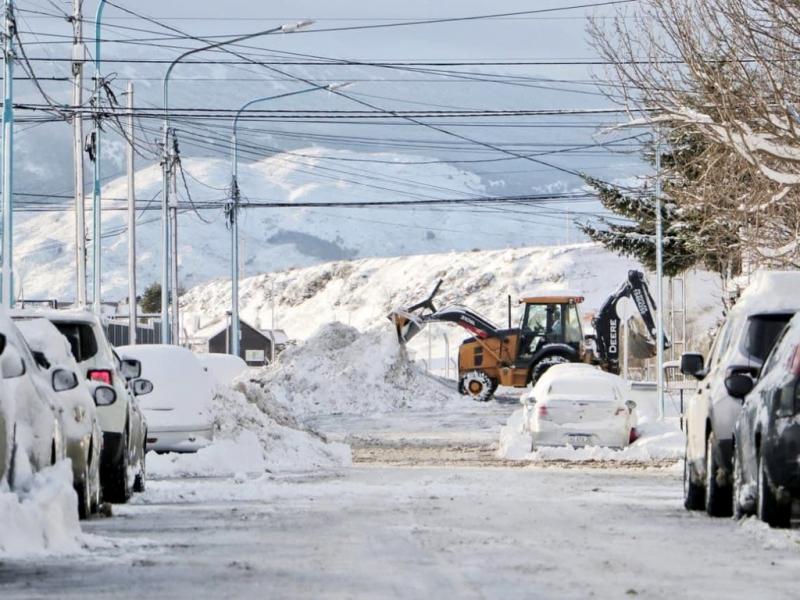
(762, 333)
(81, 339)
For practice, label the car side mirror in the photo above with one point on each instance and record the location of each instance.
(739, 385)
(528, 399)
(40, 359)
(11, 363)
(64, 380)
(141, 387)
(104, 395)
(131, 368)
(630, 404)
(692, 364)
(2, 342)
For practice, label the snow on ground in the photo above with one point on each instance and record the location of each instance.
(362, 292)
(658, 441)
(341, 370)
(250, 438)
(41, 518)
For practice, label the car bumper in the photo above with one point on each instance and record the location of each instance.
(177, 439)
(781, 453)
(578, 435)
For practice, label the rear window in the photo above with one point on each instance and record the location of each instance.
(762, 333)
(81, 339)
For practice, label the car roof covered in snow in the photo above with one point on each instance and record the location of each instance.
(43, 336)
(51, 314)
(579, 380)
(769, 291)
(223, 367)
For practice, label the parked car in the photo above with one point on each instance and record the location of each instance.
(122, 459)
(579, 405)
(766, 437)
(740, 346)
(32, 402)
(178, 410)
(80, 423)
(7, 444)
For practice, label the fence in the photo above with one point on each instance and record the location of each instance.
(147, 332)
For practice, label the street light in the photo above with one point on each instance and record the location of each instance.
(232, 209)
(170, 334)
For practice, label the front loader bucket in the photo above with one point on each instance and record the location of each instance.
(406, 324)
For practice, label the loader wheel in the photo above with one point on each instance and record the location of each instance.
(548, 361)
(478, 386)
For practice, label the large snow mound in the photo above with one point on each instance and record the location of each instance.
(658, 441)
(42, 518)
(342, 370)
(249, 440)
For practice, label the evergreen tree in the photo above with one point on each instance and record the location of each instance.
(151, 299)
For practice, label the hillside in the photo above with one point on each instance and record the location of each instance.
(361, 293)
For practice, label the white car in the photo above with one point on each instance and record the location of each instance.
(122, 460)
(579, 405)
(740, 346)
(31, 406)
(79, 421)
(178, 410)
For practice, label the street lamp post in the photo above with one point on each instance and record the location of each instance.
(167, 157)
(96, 198)
(232, 209)
(8, 155)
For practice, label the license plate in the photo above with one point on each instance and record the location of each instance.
(579, 439)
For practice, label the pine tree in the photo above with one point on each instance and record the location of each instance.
(151, 299)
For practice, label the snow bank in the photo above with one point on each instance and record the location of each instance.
(248, 439)
(342, 370)
(41, 519)
(658, 441)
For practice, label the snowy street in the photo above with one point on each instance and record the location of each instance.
(393, 532)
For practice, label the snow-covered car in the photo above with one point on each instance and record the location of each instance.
(122, 459)
(740, 346)
(579, 405)
(178, 409)
(766, 437)
(223, 368)
(32, 403)
(79, 421)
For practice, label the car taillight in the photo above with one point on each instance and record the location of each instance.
(101, 375)
(634, 435)
(542, 411)
(794, 362)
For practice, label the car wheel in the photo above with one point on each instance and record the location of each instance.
(718, 497)
(478, 386)
(139, 483)
(84, 497)
(768, 508)
(693, 493)
(548, 361)
(119, 490)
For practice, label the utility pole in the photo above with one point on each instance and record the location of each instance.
(166, 331)
(234, 223)
(9, 30)
(173, 222)
(659, 282)
(78, 58)
(97, 225)
(131, 223)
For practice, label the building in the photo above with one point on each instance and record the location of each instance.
(255, 347)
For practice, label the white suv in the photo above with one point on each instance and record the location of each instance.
(122, 462)
(741, 345)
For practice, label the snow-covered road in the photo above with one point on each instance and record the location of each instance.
(398, 532)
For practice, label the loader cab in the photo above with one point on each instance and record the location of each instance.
(550, 320)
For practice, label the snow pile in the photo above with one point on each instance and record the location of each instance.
(658, 441)
(41, 518)
(769, 538)
(342, 370)
(249, 440)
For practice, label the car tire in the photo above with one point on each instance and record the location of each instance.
(84, 498)
(718, 497)
(478, 386)
(139, 484)
(768, 508)
(693, 493)
(119, 490)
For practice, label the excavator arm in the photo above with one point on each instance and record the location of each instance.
(642, 333)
